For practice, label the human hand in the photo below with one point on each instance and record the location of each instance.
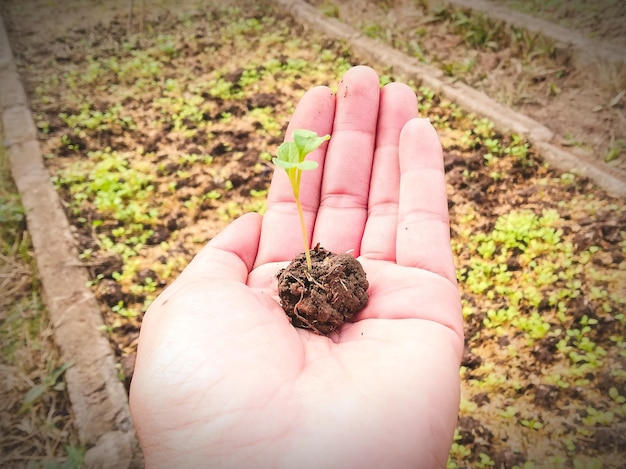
(222, 379)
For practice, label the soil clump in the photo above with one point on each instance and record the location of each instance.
(328, 295)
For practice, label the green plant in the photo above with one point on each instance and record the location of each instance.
(373, 30)
(330, 9)
(265, 119)
(458, 450)
(615, 150)
(91, 120)
(50, 381)
(10, 209)
(509, 412)
(291, 157)
(114, 184)
(476, 29)
(531, 423)
(122, 310)
(485, 460)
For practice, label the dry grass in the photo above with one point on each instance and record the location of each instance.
(35, 416)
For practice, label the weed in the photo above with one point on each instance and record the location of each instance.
(485, 460)
(230, 210)
(11, 210)
(520, 264)
(374, 30)
(89, 120)
(113, 185)
(476, 29)
(454, 69)
(616, 149)
(509, 412)
(265, 118)
(50, 381)
(531, 423)
(123, 311)
(596, 417)
(571, 141)
(458, 451)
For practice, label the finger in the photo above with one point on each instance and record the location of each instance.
(398, 104)
(281, 237)
(398, 292)
(343, 204)
(423, 238)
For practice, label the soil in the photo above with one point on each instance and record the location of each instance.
(602, 20)
(323, 298)
(186, 112)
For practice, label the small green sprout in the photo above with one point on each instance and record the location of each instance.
(291, 157)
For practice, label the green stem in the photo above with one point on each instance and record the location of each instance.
(304, 235)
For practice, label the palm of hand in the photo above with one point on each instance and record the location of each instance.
(222, 378)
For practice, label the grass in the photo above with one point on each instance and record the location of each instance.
(35, 416)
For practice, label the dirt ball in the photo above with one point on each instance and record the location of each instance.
(328, 295)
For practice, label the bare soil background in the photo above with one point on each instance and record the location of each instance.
(159, 135)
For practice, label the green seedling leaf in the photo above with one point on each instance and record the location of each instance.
(303, 166)
(291, 156)
(287, 155)
(307, 165)
(307, 141)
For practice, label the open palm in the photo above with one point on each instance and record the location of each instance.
(222, 379)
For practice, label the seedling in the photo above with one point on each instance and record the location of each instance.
(291, 157)
(318, 290)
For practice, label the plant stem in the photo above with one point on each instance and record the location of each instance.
(305, 237)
